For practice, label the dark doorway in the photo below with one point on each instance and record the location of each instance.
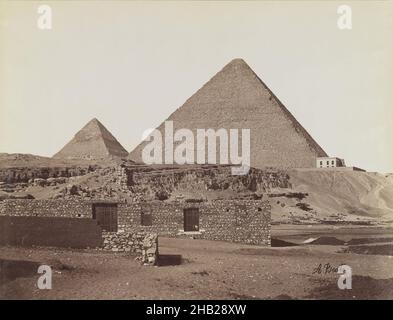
(191, 219)
(106, 216)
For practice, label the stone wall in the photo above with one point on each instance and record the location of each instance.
(46, 208)
(244, 221)
(142, 243)
(68, 223)
(50, 231)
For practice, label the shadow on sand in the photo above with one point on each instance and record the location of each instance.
(281, 243)
(169, 260)
(13, 269)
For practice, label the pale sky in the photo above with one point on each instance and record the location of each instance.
(131, 64)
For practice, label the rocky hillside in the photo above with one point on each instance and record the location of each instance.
(132, 182)
(296, 196)
(202, 182)
(30, 176)
(20, 168)
(352, 192)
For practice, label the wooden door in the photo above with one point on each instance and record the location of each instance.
(106, 216)
(191, 219)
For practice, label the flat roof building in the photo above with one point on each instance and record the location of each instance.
(329, 162)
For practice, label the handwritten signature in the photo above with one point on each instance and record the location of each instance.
(326, 268)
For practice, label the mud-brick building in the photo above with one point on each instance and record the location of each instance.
(243, 221)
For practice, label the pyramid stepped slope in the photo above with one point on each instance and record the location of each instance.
(93, 141)
(235, 98)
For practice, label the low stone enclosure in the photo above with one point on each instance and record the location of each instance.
(133, 227)
(243, 221)
(75, 233)
(49, 231)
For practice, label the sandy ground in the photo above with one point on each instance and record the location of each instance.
(206, 270)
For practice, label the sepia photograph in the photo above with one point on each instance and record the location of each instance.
(196, 156)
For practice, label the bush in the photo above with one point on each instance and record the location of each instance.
(162, 195)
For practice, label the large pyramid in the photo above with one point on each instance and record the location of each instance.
(236, 98)
(93, 141)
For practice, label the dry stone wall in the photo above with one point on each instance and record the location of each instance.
(62, 223)
(142, 243)
(49, 231)
(46, 208)
(244, 221)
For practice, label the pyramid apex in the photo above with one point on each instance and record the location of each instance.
(94, 120)
(238, 61)
(94, 124)
(93, 141)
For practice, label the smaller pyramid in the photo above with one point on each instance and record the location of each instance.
(93, 141)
